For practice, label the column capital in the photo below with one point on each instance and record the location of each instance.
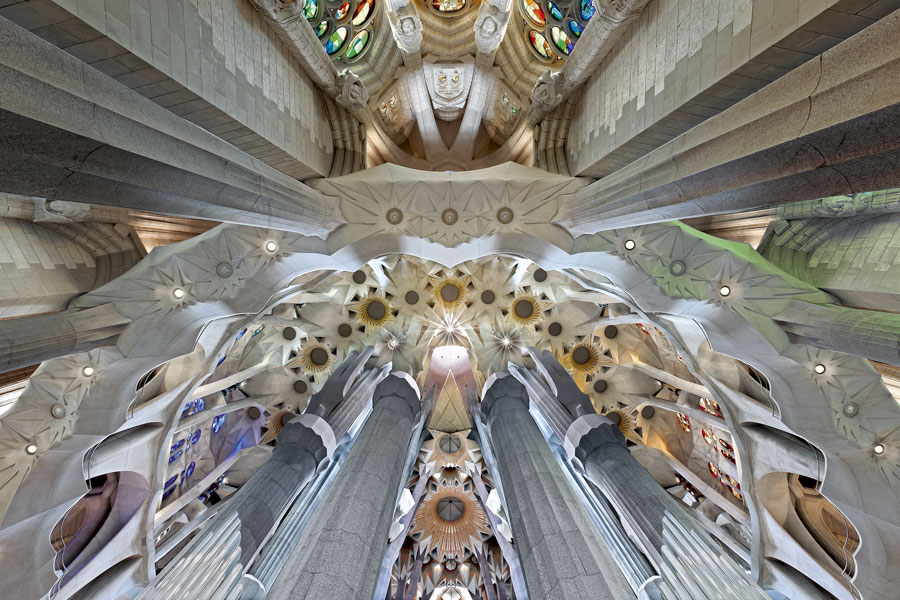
(503, 387)
(587, 433)
(400, 386)
(306, 433)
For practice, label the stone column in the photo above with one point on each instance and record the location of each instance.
(27, 341)
(339, 555)
(562, 555)
(599, 446)
(872, 334)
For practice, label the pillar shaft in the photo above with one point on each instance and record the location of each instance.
(27, 341)
(339, 554)
(562, 555)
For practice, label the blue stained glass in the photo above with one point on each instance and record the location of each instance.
(576, 28)
(587, 9)
(189, 471)
(176, 446)
(168, 492)
(196, 437)
(217, 423)
(258, 331)
(221, 360)
(171, 481)
(199, 404)
(241, 334)
(554, 11)
(175, 456)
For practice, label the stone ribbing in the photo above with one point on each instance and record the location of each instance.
(562, 555)
(339, 555)
(31, 340)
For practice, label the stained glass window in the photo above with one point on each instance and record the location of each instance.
(448, 5)
(684, 421)
(554, 26)
(310, 11)
(344, 27)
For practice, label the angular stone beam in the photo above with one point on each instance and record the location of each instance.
(830, 126)
(31, 340)
(599, 38)
(872, 334)
(68, 132)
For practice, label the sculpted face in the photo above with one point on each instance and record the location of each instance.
(408, 25)
(488, 27)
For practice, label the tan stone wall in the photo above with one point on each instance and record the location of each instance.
(217, 63)
(684, 61)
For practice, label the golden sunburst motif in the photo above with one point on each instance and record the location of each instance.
(624, 421)
(275, 422)
(373, 311)
(315, 359)
(526, 309)
(449, 293)
(452, 520)
(583, 359)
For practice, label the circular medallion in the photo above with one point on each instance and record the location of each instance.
(58, 411)
(344, 330)
(376, 311)
(610, 331)
(450, 509)
(224, 270)
(647, 412)
(505, 216)
(487, 296)
(581, 355)
(301, 386)
(318, 356)
(289, 333)
(411, 297)
(449, 293)
(600, 386)
(449, 216)
(554, 329)
(359, 277)
(524, 309)
(540, 275)
(615, 417)
(253, 412)
(394, 216)
(677, 268)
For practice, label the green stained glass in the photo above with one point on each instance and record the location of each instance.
(311, 9)
(336, 41)
(358, 44)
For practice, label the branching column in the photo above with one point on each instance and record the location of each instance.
(562, 555)
(339, 555)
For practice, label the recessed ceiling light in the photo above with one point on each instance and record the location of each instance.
(725, 290)
(819, 368)
(271, 246)
(178, 293)
(630, 244)
(31, 449)
(87, 371)
(878, 449)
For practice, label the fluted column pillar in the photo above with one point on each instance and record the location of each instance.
(339, 555)
(641, 502)
(562, 555)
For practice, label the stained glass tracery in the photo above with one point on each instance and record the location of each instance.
(553, 27)
(342, 25)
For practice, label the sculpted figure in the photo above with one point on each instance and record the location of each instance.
(547, 92)
(353, 95)
(281, 10)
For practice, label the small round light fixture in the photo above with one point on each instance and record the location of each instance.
(58, 411)
(394, 216)
(178, 293)
(224, 270)
(344, 330)
(724, 291)
(610, 331)
(359, 277)
(819, 369)
(554, 329)
(289, 333)
(878, 449)
(300, 386)
(254, 413)
(31, 449)
(411, 297)
(630, 245)
(505, 216)
(647, 412)
(600, 386)
(851, 409)
(393, 343)
(488, 297)
(449, 216)
(88, 371)
(271, 246)
(677, 268)
(540, 275)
